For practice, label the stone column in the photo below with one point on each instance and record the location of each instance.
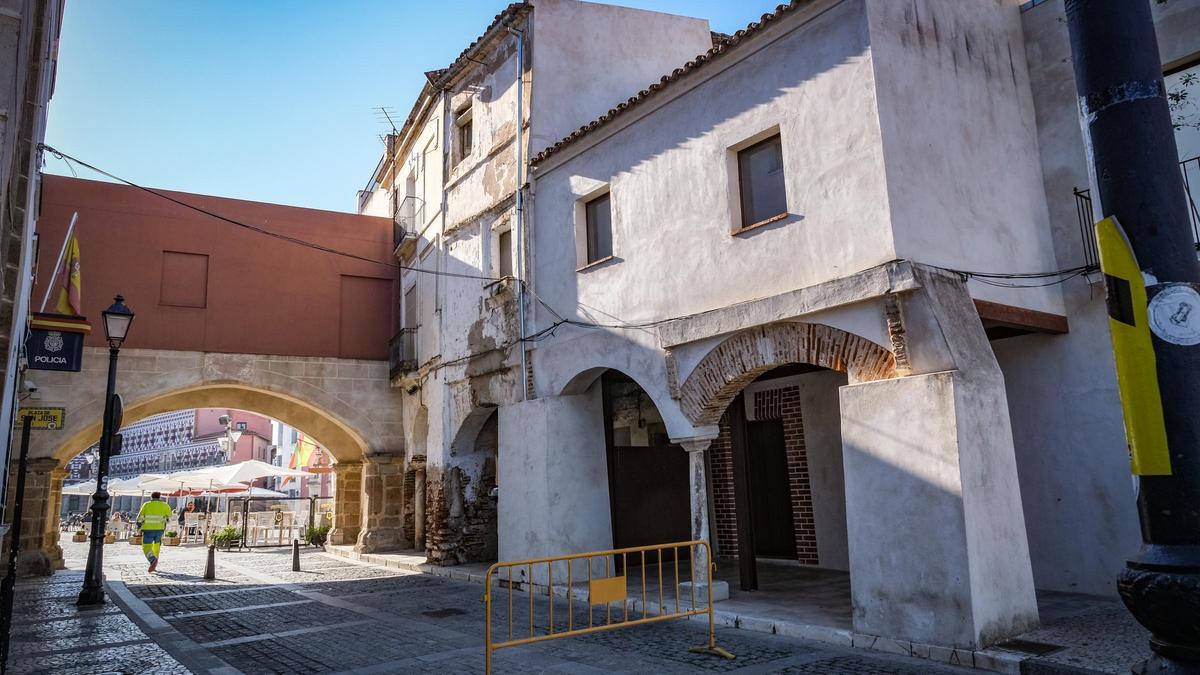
(347, 507)
(54, 552)
(418, 465)
(32, 559)
(698, 493)
(382, 505)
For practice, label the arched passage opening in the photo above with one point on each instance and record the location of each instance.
(342, 441)
(312, 431)
(776, 479)
(461, 496)
(647, 473)
(183, 441)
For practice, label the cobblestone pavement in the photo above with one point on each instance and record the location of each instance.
(339, 615)
(51, 635)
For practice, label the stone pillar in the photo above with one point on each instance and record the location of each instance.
(382, 505)
(54, 552)
(418, 466)
(347, 507)
(33, 559)
(698, 494)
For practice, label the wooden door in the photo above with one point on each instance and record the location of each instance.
(770, 491)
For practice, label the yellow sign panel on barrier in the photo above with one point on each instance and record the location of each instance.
(1133, 349)
(606, 590)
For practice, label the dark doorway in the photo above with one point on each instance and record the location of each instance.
(650, 492)
(647, 474)
(770, 491)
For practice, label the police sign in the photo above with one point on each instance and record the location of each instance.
(56, 342)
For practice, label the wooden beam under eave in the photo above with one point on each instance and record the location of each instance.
(996, 314)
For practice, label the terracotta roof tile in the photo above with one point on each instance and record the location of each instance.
(722, 44)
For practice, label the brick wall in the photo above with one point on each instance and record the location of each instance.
(782, 404)
(797, 461)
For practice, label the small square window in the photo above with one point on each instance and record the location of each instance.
(504, 252)
(760, 182)
(241, 426)
(598, 213)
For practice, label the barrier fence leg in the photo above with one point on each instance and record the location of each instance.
(711, 647)
(487, 623)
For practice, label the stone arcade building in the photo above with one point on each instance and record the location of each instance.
(763, 280)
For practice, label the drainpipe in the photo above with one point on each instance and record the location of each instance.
(519, 225)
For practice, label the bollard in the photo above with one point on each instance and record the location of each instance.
(295, 555)
(210, 568)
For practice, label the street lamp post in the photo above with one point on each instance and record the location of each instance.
(117, 319)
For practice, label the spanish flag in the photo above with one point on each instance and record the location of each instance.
(69, 301)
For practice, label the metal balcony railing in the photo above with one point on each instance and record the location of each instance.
(408, 216)
(1189, 168)
(402, 352)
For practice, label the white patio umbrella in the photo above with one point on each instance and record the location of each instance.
(246, 471)
(255, 492)
(86, 487)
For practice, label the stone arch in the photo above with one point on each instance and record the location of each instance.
(348, 405)
(582, 380)
(734, 363)
(343, 442)
(462, 516)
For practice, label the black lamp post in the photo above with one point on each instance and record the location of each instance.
(117, 319)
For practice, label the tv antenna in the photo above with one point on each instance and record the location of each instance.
(383, 114)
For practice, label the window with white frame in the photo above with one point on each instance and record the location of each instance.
(598, 228)
(464, 134)
(504, 252)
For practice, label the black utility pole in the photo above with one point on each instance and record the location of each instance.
(1122, 97)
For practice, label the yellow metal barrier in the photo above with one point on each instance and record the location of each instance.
(603, 590)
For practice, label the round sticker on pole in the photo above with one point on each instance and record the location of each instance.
(1174, 314)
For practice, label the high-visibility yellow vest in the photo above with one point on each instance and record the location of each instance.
(154, 515)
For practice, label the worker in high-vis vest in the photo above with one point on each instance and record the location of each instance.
(152, 520)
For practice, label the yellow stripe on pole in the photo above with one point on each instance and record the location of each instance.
(1133, 349)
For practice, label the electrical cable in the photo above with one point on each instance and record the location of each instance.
(288, 238)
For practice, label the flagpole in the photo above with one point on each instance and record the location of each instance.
(62, 253)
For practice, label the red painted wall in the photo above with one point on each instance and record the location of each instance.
(198, 283)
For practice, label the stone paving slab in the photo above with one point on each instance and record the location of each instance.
(219, 627)
(168, 606)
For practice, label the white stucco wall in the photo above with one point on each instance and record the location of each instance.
(553, 477)
(964, 178)
(672, 190)
(592, 56)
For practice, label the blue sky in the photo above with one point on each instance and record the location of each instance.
(266, 100)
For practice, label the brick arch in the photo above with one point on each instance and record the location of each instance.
(737, 361)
